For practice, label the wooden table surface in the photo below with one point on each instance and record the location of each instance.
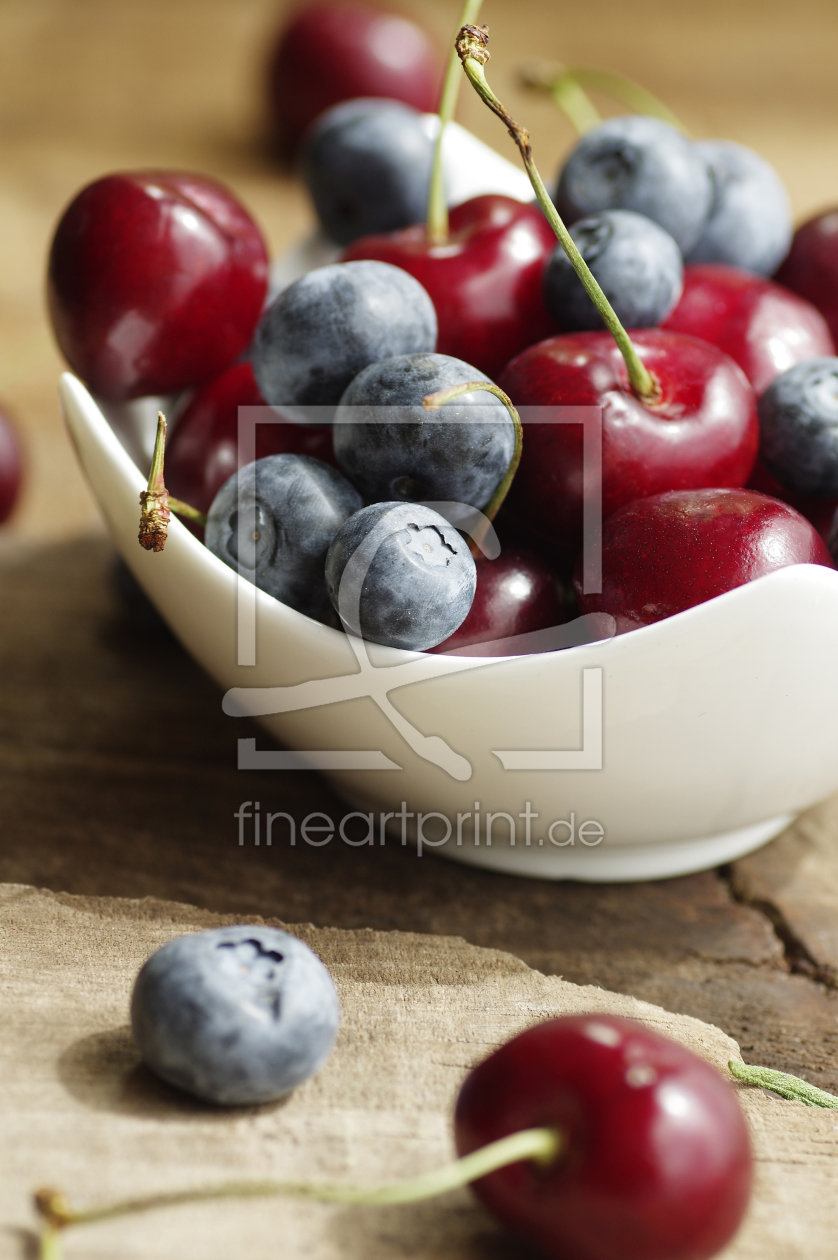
(88, 803)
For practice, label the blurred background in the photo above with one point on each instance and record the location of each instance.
(89, 86)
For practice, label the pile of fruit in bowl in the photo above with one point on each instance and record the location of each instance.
(396, 492)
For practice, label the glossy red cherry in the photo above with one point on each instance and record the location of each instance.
(819, 512)
(11, 466)
(669, 552)
(762, 326)
(516, 594)
(156, 282)
(702, 431)
(656, 1163)
(484, 281)
(333, 52)
(811, 266)
(203, 449)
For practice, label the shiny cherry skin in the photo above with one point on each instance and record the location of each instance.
(811, 267)
(656, 1164)
(11, 465)
(330, 52)
(203, 449)
(156, 282)
(702, 431)
(517, 593)
(762, 326)
(672, 551)
(819, 512)
(485, 281)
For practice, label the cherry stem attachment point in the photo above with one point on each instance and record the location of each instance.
(156, 504)
(791, 1087)
(437, 215)
(432, 402)
(543, 1146)
(472, 48)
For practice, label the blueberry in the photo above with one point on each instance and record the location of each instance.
(750, 219)
(410, 578)
(367, 164)
(798, 424)
(273, 522)
(640, 164)
(637, 264)
(235, 1016)
(391, 448)
(323, 329)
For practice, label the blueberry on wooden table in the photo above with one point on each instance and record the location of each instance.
(391, 448)
(237, 1015)
(273, 521)
(400, 575)
(636, 263)
(641, 164)
(367, 166)
(749, 225)
(323, 329)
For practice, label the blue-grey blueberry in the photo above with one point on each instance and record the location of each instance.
(367, 164)
(273, 521)
(391, 448)
(237, 1015)
(641, 164)
(323, 329)
(399, 574)
(637, 264)
(798, 427)
(750, 219)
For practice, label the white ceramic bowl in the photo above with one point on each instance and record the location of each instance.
(682, 745)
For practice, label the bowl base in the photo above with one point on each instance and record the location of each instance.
(620, 864)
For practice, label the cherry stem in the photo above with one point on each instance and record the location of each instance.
(156, 503)
(565, 90)
(473, 52)
(556, 80)
(543, 1146)
(782, 1083)
(437, 216)
(432, 402)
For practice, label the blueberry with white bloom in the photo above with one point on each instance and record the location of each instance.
(636, 263)
(399, 574)
(236, 1015)
(798, 426)
(750, 220)
(273, 521)
(641, 164)
(391, 448)
(323, 329)
(367, 164)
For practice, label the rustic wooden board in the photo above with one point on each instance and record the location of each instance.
(81, 1112)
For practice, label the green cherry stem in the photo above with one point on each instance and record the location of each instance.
(566, 82)
(565, 90)
(628, 92)
(543, 1146)
(156, 504)
(437, 216)
(432, 402)
(791, 1087)
(472, 49)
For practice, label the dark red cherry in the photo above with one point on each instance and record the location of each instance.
(333, 52)
(516, 594)
(656, 1162)
(811, 267)
(819, 512)
(702, 431)
(11, 465)
(156, 282)
(669, 552)
(203, 450)
(484, 281)
(762, 326)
